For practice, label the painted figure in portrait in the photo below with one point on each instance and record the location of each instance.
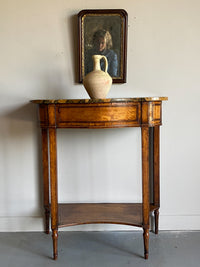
(102, 45)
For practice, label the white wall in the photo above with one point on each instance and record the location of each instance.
(37, 60)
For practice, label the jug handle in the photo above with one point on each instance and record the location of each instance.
(106, 63)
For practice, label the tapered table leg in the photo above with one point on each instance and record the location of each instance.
(146, 243)
(145, 188)
(55, 244)
(45, 162)
(156, 217)
(156, 175)
(54, 197)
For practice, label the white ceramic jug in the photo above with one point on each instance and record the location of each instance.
(97, 83)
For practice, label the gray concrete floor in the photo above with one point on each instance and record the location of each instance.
(105, 249)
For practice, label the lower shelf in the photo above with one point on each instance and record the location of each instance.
(87, 213)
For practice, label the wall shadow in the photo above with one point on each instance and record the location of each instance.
(21, 122)
(73, 31)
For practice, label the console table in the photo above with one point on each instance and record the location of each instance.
(145, 112)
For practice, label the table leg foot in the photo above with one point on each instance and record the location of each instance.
(156, 217)
(55, 244)
(146, 243)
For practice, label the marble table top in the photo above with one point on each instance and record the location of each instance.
(106, 100)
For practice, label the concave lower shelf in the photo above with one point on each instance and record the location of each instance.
(86, 213)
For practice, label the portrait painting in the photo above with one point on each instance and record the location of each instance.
(103, 32)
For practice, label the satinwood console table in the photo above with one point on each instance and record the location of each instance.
(145, 112)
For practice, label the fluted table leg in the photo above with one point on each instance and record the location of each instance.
(45, 162)
(145, 188)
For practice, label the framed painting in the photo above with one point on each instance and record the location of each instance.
(103, 32)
